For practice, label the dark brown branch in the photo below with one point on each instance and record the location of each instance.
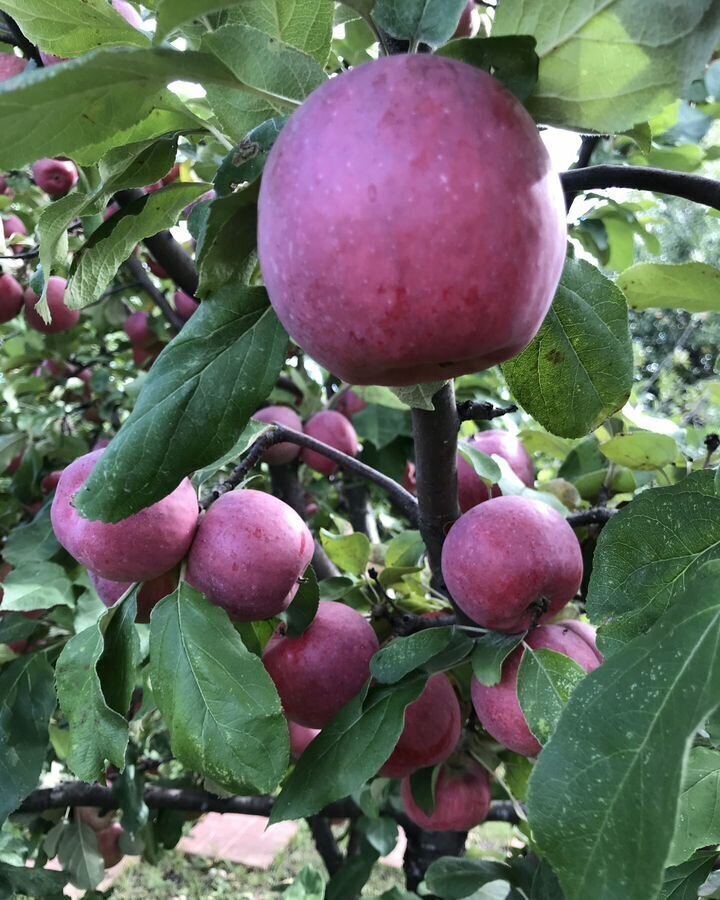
(643, 178)
(27, 48)
(598, 516)
(357, 499)
(166, 251)
(587, 148)
(475, 411)
(325, 843)
(436, 433)
(277, 434)
(77, 793)
(160, 300)
(404, 623)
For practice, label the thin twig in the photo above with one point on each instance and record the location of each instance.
(277, 434)
(160, 300)
(597, 516)
(476, 411)
(28, 49)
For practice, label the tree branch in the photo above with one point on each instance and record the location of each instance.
(160, 300)
(598, 516)
(28, 49)
(475, 411)
(325, 843)
(643, 178)
(587, 148)
(436, 434)
(277, 434)
(167, 252)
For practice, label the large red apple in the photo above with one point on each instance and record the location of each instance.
(248, 554)
(411, 227)
(138, 548)
(319, 672)
(149, 595)
(471, 488)
(431, 732)
(462, 798)
(498, 707)
(511, 562)
(62, 318)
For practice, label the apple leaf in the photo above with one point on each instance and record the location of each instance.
(693, 286)
(455, 878)
(405, 654)
(33, 541)
(512, 60)
(30, 881)
(683, 882)
(641, 450)
(349, 552)
(36, 585)
(648, 552)
(405, 549)
(94, 690)
(484, 466)
(491, 651)
(604, 66)
(698, 824)
(226, 240)
(545, 682)
(95, 265)
(348, 751)
(27, 700)
(195, 402)
(612, 773)
(73, 27)
(301, 612)
(219, 703)
(578, 369)
(279, 76)
(115, 88)
(431, 21)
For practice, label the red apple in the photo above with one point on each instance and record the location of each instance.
(14, 225)
(333, 429)
(350, 404)
(301, 738)
(511, 562)
(109, 844)
(410, 477)
(149, 595)
(62, 318)
(248, 554)
(11, 298)
(11, 66)
(156, 268)
(283, 453)
(138, 548)
(185, 305)
(92, 816)
(432, 730)
(466, 25)
(50, 60)
(471, 488)
(129, 13)
(50, 481)
(498, 707)
(462, 798)
(318, 673)
(57, 177)
(139, 330)
(413, 198)
(584, 630)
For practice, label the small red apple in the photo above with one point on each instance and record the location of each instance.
(57, 177)
(333, 429)
(462, 798)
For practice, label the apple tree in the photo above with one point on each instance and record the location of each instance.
(357, 463)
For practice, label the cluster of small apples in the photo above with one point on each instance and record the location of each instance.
(329, 426)
(13, 300)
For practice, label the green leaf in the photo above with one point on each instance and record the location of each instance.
(381, 833)
(642, 450)
(31, 541)
(97, 262)
(277, 77)
(684, 881)
(512, 60)
(545, 682)
(453, 878)
(698, 824)
(380, 425)
(73, 27)
(31, 881)
(419, 396)
(115, 88)
(194, 404)
(226, 241)
(348, 751)
(245, 163)
(36, 585)
(602, 68)
(301, 612)
(422, 785)
(79, 855)
(431, 21)
(349, 552)
(354, 873)
(693, 286)
(95, 677)
(612, 773)
(27, 699)
(15, 627)
(405, 549)
(219, 703)
(405, 654)
(649, 551)
(304, 24)
(309, 885)
(484, 466)
(491, 651)
(578, 369)
(382, 396)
